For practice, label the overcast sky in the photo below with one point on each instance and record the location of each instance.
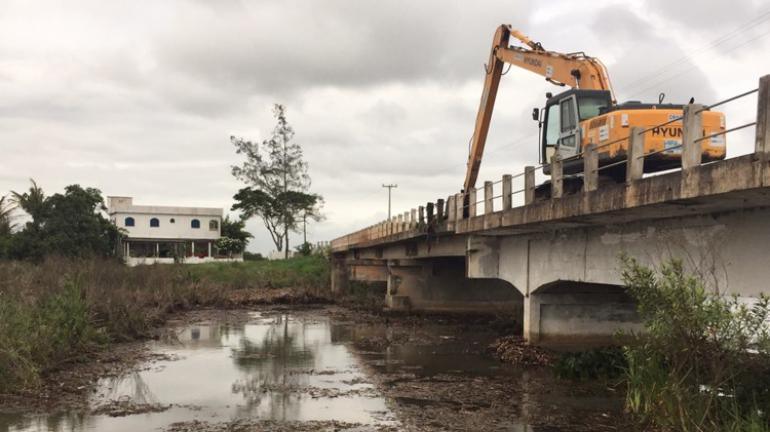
(138, 98)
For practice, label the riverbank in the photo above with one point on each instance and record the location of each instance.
(59, 313)
(327, 367)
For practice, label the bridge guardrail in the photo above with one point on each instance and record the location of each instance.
(456, 207)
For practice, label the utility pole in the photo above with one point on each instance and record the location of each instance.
(390, 188)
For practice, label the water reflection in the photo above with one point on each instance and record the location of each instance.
(301, 367)
(269, 367)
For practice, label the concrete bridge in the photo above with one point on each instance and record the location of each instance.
(553, 263)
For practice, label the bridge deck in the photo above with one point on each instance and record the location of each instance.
(733, 184)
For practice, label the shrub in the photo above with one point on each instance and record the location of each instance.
(609, 362)
(704, 362)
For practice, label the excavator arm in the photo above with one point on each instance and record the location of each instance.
(575, 70)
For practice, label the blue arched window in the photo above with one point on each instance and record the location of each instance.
(195, 223)
(154, 223)
(129, 221)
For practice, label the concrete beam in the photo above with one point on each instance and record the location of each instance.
(507, 190)
(339, 275)
(590, 169)
(557, 177)
(451, 208)
(762, 143)
(692, 129)
(635, 163)
(459, 206)
(488, 197)
(472, 203)
(368, 270)
(483, 257)
(529, 185)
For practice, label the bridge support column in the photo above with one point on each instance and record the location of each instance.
(439, 284)
(339, 275)
(581, 314)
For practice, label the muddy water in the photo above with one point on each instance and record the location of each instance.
(304, 366)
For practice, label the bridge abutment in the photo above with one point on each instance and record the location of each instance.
(439, 284)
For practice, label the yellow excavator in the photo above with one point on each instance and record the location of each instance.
(585, 114)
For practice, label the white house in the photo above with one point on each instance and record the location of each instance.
(161, 234)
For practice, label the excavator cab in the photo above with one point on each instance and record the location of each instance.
(560, 123)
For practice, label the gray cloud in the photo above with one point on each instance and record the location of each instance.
(140, 98)
(635, 43)
(261, 46)
(713, 17)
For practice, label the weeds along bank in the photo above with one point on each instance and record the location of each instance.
(704, 362)
(60, 310)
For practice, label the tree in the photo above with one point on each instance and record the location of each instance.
(252, 202)
(6, 217)
(6, 224)
(33, 202)
(277, 181)
(312, 211)
(235, 229)
(234, 236)
(75, 225)
(68, 224)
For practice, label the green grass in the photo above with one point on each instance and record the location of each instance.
(300, 272)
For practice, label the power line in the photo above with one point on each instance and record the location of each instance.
(390, 188)
(690, 57)
(682, 72)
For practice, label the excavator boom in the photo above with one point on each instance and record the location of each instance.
(575, 70)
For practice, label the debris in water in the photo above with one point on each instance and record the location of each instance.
(515, 350)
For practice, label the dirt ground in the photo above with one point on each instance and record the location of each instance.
(521, 396)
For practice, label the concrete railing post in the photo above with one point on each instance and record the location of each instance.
(590, 168)
(472, 203)
(429, 208)
(507, 190)
(762, 144)
(488, 197)
(407, 221)
(421, 215)
(557, 176)
(635, 163)
(459, 206)
(529, 185)
(451, 209)
(400, 223)
(413, 219)
(692, 129)
(440, 209)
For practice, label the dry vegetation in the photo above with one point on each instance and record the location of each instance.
(59, 311)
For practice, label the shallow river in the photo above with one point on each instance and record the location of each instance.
(307, 366)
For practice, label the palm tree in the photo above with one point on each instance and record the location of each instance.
(33, 202)
(6, 219)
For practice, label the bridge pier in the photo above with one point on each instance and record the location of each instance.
(439, 284)
(583, 314)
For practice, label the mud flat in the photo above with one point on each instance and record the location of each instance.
(313, 367)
